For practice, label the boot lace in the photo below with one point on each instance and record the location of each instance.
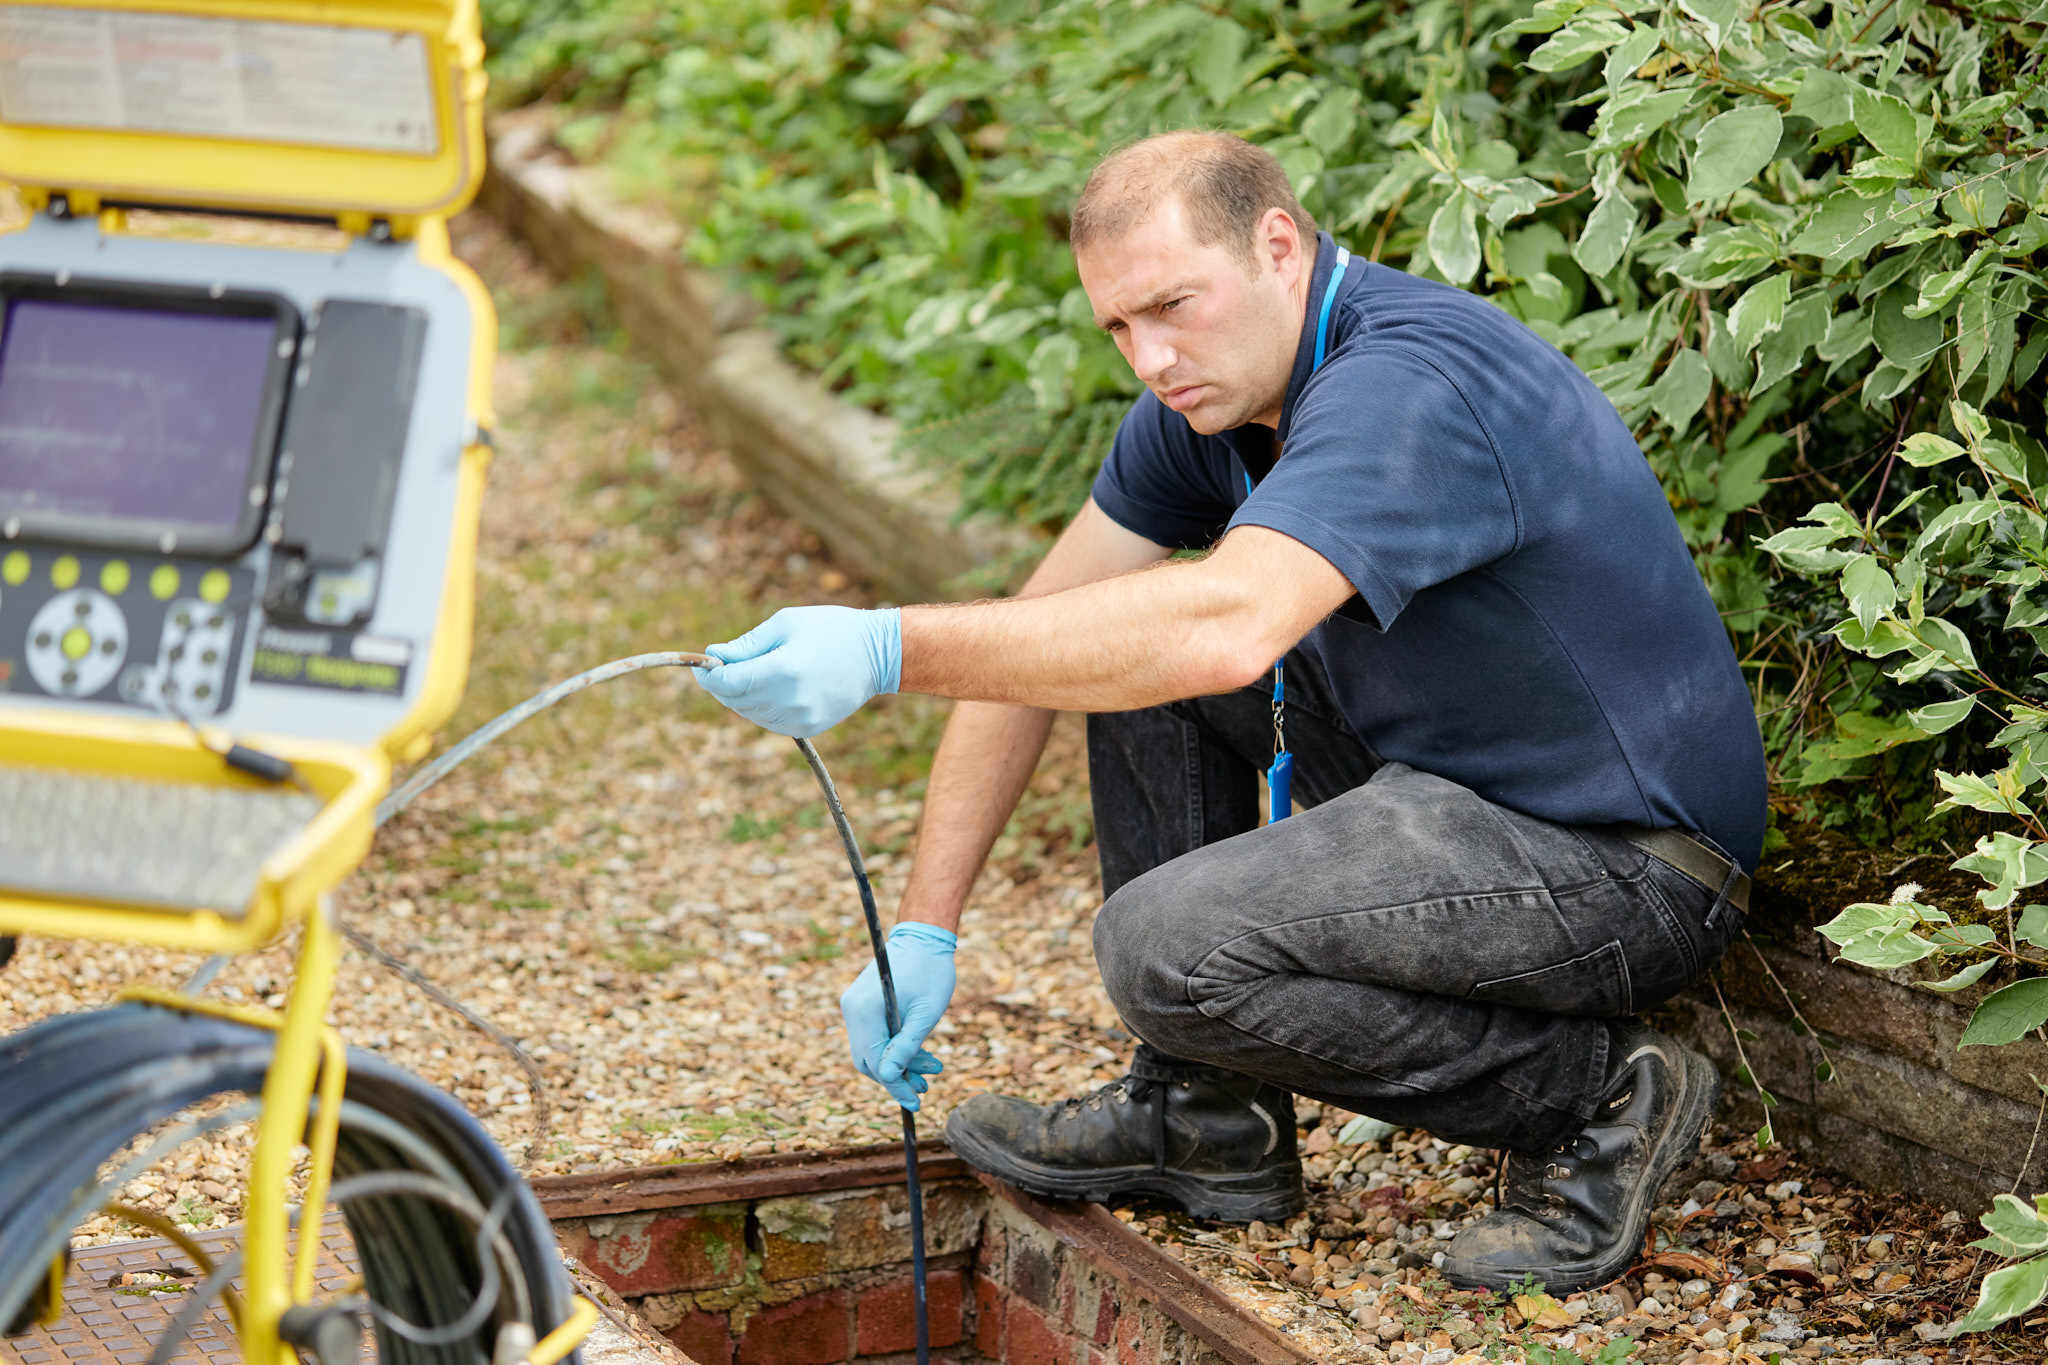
(1523, 1181)
(1149, 1080)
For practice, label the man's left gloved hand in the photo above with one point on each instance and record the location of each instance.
(921, 964)
(805, 669)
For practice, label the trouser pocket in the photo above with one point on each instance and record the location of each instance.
(1594, 983)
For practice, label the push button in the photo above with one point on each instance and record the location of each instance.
(64, 573)
(14, 568)
(76, 643)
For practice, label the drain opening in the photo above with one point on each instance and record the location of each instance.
(802, 1259)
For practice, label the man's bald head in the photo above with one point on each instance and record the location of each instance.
(1225, 184)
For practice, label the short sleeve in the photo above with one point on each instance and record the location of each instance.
(1161, 481)
(1389, 475)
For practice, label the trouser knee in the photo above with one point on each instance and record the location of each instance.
(1141, 962)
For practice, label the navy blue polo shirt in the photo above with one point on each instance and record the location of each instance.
(1528, 622)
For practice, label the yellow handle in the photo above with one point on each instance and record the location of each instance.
(567, 1337)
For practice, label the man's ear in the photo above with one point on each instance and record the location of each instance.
(1279, 241)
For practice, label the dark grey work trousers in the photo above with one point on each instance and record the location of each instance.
(1399, 946)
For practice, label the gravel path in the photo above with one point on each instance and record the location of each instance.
(646, 893)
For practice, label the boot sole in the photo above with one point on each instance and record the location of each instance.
(1694, 1108)
(1269, 1195)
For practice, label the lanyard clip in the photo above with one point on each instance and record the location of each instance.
(1279, 776)
(1279, 709)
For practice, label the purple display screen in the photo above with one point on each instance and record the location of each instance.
(118, 414)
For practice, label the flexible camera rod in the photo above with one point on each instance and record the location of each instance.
(618, 668)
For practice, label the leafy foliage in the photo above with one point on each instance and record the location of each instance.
(1951, 587)
(1780, 238)
(2019, 1234)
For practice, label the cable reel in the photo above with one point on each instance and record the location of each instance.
(457, 1257)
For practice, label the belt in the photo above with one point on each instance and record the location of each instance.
(1675, 848)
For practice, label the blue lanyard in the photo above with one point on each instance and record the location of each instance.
(1280, 777)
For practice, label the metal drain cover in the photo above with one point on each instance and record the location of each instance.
(119, 1298)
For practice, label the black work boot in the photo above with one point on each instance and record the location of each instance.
(1219, 1144)
(1574, 1216)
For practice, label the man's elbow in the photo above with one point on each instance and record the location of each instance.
(1233, 653)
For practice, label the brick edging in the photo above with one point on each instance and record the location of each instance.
(1146, 1272)
(635, 1189)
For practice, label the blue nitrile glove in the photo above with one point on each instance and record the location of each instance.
(805, 669)
(921, 964)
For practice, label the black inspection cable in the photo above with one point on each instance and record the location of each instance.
(894, 1021)
(534, 705)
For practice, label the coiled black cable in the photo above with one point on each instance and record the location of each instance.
(135, 1065)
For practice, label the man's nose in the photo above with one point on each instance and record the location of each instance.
(1151, 357)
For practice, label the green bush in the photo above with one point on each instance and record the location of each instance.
(1779, 244)
(1976, 552)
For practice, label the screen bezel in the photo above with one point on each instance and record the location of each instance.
(166, 535)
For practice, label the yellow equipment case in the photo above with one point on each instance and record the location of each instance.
(240, 470)
(239, 480)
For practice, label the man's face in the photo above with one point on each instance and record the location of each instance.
(1212, 336)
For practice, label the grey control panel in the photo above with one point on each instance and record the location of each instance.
(228, 477)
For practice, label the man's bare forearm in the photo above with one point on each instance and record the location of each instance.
(983, 764)
(1139, 639)
(1185, 628)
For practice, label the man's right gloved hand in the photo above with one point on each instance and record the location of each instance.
(921, 964)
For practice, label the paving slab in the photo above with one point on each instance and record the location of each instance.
(119, 1299)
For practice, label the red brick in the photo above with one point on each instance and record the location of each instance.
(988, 1257)
(670, 1252)
(1087, 1307)
(1035, 1276)
(1032, 1340)
(1105, 1320)
(989, 1302)
(885, 1317)
(1131, 1346)
(705, 1338)
(785, 1258)
(806, 1331)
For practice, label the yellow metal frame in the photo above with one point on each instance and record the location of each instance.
(308, 1053)
(351, 186)
(449, 665)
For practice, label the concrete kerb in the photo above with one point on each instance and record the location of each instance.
(831, 464)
